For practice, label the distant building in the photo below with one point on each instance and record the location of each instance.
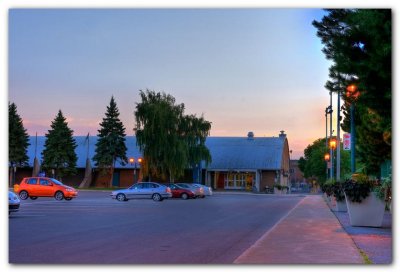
(238, 163)
(296, 175)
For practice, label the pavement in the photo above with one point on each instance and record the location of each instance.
(312, 234)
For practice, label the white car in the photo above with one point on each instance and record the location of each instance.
(13, 202)
(152, 190)
(207, 190)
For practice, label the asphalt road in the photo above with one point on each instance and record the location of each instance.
(94, 229)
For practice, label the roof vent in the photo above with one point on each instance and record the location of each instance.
(250, 135)
(282, 135)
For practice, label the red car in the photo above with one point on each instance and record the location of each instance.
(179, 192)
(35, 187)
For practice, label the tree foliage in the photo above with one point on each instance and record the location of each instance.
(169, 140)
(314, 165)
(110, 145)
(18, 141)
(18, 138)
(59, 148)
(359, 42)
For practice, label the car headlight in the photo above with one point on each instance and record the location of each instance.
(70, 190)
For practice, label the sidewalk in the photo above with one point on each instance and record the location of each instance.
(309, 234)
(376, 243)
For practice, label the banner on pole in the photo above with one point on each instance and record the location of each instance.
(346, 141)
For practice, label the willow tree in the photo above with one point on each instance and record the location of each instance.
(169, 140)
(110, 145)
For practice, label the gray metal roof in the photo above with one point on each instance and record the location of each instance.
(242, 153)
(232, 153)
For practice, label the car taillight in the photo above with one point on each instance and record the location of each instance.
(168, 190)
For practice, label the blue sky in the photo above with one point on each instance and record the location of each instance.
(259, 70)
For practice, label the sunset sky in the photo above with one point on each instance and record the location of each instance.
(259, 70)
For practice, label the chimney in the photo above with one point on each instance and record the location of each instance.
(250, 135)
(282, 135)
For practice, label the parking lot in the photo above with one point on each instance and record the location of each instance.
(94, 229)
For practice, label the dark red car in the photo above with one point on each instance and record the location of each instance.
(179, 192)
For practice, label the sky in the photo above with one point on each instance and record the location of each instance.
(248, 69)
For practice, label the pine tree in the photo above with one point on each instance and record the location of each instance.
(18, 141)
(359, 42)
(110, 146)
(59, 148)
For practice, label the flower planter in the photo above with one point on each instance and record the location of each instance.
(277, 192)
(341, 206)
(368, 213)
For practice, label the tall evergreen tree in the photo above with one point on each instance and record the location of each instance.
(59, 148)
(110, 146)
(359, 42)
(169, 140)
(18, 141)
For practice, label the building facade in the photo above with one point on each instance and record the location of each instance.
(238, 163)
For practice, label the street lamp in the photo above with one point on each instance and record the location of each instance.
(353, 95)
(332, 143)
(132, 161)
(327, 157)
(328, 110)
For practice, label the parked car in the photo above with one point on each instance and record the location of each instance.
(197, 190)
(153, 190)
(180, 192)
(13, 202)
(207, 190)
(34, 187)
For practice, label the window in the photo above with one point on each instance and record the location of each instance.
(32, 181)
(44, 182)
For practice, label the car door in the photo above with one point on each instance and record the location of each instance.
(32, 187)
(133, 191)
(45, 187)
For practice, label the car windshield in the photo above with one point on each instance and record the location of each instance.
(56, 181)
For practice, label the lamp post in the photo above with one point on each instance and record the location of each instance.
(338, 138)
(330, 134)
(353, 94)
(332, 146)
(328, 110)
(132, 161)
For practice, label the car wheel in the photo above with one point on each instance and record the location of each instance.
(156, 197)
(59, 196)
(23, 195)
(68, 198)
(33, 197)
(121, 197)
(184, 196)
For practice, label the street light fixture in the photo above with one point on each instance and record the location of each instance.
(132, 161)
(327, 157)
(332, 143)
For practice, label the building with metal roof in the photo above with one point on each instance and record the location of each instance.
(238, 163)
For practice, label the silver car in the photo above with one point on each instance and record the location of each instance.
(153, 190)
(13, 202)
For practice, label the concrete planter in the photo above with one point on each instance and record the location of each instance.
(277, 192)
(368, 213)
(341, 206)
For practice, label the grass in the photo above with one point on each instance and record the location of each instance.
(365, 257)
